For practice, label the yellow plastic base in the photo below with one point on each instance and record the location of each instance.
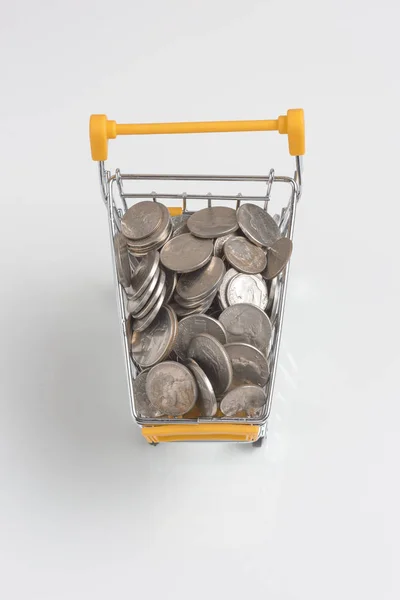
(201, 432)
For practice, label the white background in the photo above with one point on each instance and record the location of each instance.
(88, 510)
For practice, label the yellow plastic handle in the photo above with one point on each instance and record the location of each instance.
(101, 130)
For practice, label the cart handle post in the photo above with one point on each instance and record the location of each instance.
(102, 129)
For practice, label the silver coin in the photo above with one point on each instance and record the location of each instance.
(174, 321)
(153, 299)
(171, 388)
(155, 343)
(122, 260)
(144, 273)
(170, 283)
(248, 324)
(193, 303)
(186, 253)
(220, 242)
(230, 274)
(143, 406)
(201, 283)
(157, 233)
(142, 324)
(213, 222)
(248, 363)
(192, 326)
(141, 220)
(135, 305)
(183, 311)
(257, 225)
(247, 289)
(245, 256)
(206, 397)
(154, 246)
(157, 237)
(212, 357)
(247, 399)
(278, 255)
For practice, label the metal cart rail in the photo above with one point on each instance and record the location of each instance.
(118, 199)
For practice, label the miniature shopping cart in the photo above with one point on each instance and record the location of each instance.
(117, 194)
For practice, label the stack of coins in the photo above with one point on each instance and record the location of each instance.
(202, 296)
(147, 226)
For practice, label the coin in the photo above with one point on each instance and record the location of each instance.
(248, 363)
(171, 388)
(174, 321)
(248, 324)
(206, 397)
(154, 297)
(193, 303)
(192, 326)
(155, 245)
(141, 219)
(257, 225)
(213, 222)
(143, 406)
(212, 357)
(155, 343)
(224, 286)
(138, 303)
(157, 237)
(183, 311)
(201, 283)
(142, 324)
(245, 256)
(144, 274)
(122, 260)
(245, 398)
(247, 289)
(220, 242)
(186, 253)
(278, 255)
(170, 284)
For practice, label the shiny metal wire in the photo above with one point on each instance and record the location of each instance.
(110, 183)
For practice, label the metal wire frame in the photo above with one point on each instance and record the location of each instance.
(108, 183)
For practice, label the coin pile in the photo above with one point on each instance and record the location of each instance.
(202, 297)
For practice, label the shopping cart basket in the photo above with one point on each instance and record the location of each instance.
(117, 200)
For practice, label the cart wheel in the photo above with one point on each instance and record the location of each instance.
(153, 443)
(258, 443)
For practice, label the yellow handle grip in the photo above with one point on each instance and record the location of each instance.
(101, 130)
